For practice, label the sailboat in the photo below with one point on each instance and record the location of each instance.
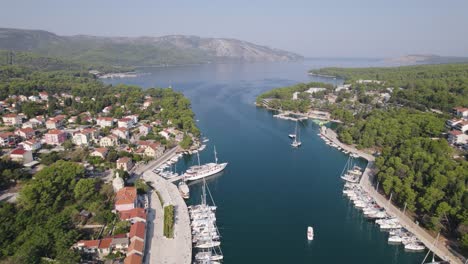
(296, 143)
(293, 136)
(206, 234)
(201, 171)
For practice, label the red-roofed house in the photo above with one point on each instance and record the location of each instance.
(99, 152)
(26, 133)
(11, 120)
(126, 199)
(21, 155)
(461, 112)
(145, 129)
(55, 137)
(88, 246)
(462, 126)
(109, 141)
(136, 247)
(133, 259)
(154, 150)
(55, 122)
(133, 215)
(125, 122)
(105, 121)
(137, 232)
(104, 247)
(457, 137)
(31, 144)
(7, 139)
(44, 96)
(121, 132)
(124, 163)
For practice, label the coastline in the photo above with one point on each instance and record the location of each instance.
(366, 181)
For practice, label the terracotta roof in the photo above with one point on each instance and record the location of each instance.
(26, 130)
(126, 195)
(455, 132)
(133, 259)
(461, 109)
(136, 245)
(105, 118)
(89, 243)
(123, 160)
(18, 152)
(105, 243)
(10, 115)
(132, 213)
(155, 145)
(101, 150)
(6, 134)
(137, 230)
(55, 131)
(125, 119)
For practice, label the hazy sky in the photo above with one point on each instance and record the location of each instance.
(327, 28)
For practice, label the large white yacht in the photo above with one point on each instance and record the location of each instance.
(201, 171)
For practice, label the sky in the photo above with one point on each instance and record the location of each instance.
(327, 28)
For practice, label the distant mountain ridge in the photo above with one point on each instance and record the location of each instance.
(139, 51)
(427, 59)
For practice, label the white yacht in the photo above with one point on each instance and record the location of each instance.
(201, 171)
(184, 190)
(310, 233)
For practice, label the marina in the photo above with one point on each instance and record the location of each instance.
(268, 183)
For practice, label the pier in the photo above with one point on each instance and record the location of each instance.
(160, 249)
(367, 179)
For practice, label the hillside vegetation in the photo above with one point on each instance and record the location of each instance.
(141, 51)
(441, 86)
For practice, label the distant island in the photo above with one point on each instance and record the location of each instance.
(426, 59)
(139, 51)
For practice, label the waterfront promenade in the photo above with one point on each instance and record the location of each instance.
(159, 249)
(366, 182)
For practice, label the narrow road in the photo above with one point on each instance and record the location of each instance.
(366, 182)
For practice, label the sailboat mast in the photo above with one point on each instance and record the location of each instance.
(198, 157)
(216, 155)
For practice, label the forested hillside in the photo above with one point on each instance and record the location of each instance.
(441, 86)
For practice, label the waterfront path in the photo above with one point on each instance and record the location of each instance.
(162, 250)
(366, 182)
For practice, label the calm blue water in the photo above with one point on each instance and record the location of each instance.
(270, 192)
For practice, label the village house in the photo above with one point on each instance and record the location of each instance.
(87, 246)
(145, 129)
(44, 96)
(34, 98)
(85, 136)
(121, 132)
(136, 247)
(11, 120)
(125, 123)
(109, 141)
(55, 137)
(126, 199)
(461, 112)
(55, 122)
(105, 121)
(457, 137)
(99, 152)
(137, 232)
(154, 150)
(462, 126)
(165, 134)
(134, 118)
(133, 259)
(7, 139)
(133, 215)
(31, 145)
(25, 133)
(124, 163)
(21, 155)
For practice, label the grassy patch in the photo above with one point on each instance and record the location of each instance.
(169, 221)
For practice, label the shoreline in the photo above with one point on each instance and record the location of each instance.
(366, 182)
(314, 114)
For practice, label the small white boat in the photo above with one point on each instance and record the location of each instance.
(310, 233)
(395, 239)
(184, 190)
(415, 247)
